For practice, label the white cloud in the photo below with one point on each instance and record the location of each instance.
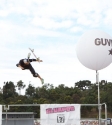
(108, 17)
(48, 23)
(52, 28)
(76, 29)
(46, 13)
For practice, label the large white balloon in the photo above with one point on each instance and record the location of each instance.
(94, 49)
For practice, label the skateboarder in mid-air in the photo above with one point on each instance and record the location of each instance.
(25, 64)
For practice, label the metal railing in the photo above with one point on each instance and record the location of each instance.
(6, 108)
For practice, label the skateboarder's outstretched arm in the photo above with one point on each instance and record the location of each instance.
(38, 60)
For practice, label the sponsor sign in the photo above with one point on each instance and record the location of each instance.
(60, 114)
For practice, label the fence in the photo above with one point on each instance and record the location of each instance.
(86, 121)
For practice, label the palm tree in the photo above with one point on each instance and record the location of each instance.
(20, 86)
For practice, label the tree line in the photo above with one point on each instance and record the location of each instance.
(83, 92)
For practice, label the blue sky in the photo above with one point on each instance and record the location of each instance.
(52, 29)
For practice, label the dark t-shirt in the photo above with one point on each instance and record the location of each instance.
(21, 63)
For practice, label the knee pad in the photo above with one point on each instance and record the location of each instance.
(35, 75)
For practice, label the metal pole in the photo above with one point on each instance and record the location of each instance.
(105, 114)
(99, 106)
(6, 117)
(6, 108)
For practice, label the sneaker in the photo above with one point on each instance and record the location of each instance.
(42, 81)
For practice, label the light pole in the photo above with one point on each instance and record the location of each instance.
(99, 106)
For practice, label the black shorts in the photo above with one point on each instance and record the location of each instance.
(31, 70)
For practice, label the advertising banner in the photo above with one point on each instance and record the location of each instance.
(60, 114)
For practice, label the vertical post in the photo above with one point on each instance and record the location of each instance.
(105, 114)
(6, 108)
(99, 106)
(6, 117)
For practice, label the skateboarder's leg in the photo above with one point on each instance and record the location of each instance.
(35, 74)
